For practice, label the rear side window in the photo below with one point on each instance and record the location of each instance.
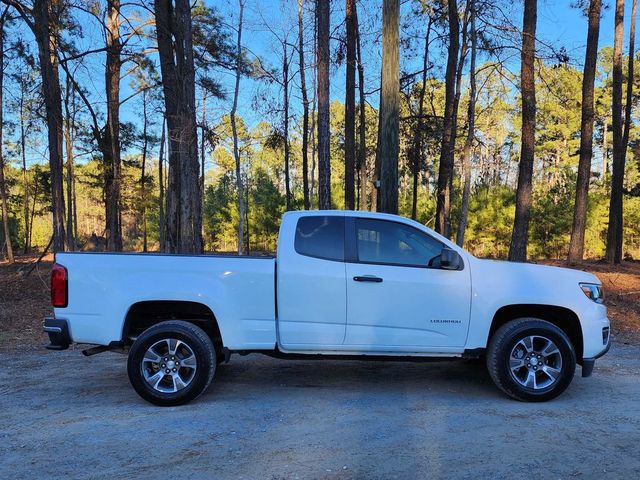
(320, 237)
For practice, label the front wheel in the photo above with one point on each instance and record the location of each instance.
(171, 363)
(531, 360)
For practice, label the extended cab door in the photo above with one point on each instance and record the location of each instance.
(398, 299)
(311, 286)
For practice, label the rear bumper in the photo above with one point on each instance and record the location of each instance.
(58, 331)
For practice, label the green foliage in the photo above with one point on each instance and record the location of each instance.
(491, 211)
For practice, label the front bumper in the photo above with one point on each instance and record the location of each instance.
(58, 331)
(589, 363)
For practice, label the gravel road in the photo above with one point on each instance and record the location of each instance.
(66, 416)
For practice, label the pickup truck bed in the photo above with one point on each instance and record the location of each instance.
(107, 292)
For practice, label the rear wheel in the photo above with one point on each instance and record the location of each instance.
(531, 360)
(171, 363)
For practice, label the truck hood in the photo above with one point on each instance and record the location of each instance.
(535, 273)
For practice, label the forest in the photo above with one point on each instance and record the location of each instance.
(192, 126)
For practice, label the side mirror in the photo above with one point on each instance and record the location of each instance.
(450, 259)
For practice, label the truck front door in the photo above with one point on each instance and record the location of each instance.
(397, 297)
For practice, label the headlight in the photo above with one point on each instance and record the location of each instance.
(593, 291)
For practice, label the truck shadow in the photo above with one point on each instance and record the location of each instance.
(256, 372)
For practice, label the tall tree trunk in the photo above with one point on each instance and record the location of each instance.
(350, 109)
(389, 124)
(68, 138)
(305, 111)
(175, 48)
(143, 181)
(285, 88)
(445, 170)
(614, 231)
(471, 119)
(605, 149)
(324, 156)
(464, 47)
(313, 138)
(630, 76)
(25, 178)
(520, 234)
(576, 245)
(362, 125)
(34, 198)
(74, 204)
(418, 150)
(111, 137)
(236, 149)
(203, 128)
(3, 186)
(46, 14)
(162, 220)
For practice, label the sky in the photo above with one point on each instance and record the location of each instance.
(559, 25)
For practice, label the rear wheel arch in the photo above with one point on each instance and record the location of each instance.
(563, 318)
(145, 314)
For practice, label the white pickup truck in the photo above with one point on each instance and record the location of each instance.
(343, 285)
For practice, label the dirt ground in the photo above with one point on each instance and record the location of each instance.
(66, 416)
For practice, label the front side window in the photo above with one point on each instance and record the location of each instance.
(321, 237)
(393, 243)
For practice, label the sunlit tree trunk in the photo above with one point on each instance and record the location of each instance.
(614, 231)
(175, 49)
(234, 129)
(389, 123)
(520, 234)
(68, 137)
(324, 156)
(111, 137)
(25, 177)
(576, 245)
(471, 119)
(285, 89)
(630, 77)
(161, 215)
(3, 186)
(203, 139)
(45, 17)
(350, 109)
(445, 170)
(418, 150)
(363, 178)
(305, 111)
(143, 170)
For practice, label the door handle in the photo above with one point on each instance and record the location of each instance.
(368, 278)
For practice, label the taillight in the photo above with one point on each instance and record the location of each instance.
(59, 284)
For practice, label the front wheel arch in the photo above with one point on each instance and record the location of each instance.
(563, 318)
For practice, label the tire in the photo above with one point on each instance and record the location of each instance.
(154, 364)
(531, 360)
